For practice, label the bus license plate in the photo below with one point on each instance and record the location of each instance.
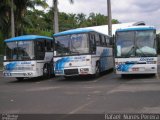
(138, 69)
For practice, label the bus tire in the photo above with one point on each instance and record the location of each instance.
(20, 78)
(123, 76)
(97, 72)
(46, 71)
(67, 77)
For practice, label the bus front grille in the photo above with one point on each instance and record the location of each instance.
(71, 72)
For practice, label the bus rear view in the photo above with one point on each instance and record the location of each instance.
(136, 50)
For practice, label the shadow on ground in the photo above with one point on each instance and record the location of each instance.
(137, 76)
(29, 80)
(84, 78)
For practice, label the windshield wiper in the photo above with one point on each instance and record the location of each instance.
(137, 48)
(76, 52)
(130, 52)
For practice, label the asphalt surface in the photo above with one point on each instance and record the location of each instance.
(107, 94)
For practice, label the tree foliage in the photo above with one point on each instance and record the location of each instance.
(29, 20)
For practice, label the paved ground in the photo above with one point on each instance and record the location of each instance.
(106, 94)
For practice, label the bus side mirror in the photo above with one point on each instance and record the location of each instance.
(55, 53)
(4, 58)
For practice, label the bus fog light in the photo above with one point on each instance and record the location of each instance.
(153, 68)
(84, 70)
(87, 59)
(29, 73)
(25, 74)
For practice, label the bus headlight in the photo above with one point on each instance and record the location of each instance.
(29, 74)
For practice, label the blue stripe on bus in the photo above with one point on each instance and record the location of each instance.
(124, 67)
(27, 38)
(74, 31)
(11, 66)
(61, 63)
(135, 28)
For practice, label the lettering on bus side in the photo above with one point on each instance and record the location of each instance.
(146, 59)
(80, 57)
(25, 62)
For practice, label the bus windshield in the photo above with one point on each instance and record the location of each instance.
(136, 44)
(71, 44)
(20, 50)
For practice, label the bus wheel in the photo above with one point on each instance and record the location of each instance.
(20, 78)
(67, 77)
(46, 71)
(97, 73)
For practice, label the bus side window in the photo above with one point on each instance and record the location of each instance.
(40, 46)
(40, 52)
(49, 45)
(103, 41)
(52, 46)
(97, 40)
(100, 39)
(111, 41)
(92, 43)
(107, 41)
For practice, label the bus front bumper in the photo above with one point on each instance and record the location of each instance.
(20, 74)
(140, 69)
(75, 71)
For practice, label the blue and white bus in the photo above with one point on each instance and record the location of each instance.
(135, 50)
(28, 56)
(82, 51)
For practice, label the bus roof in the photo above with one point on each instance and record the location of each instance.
(103, 29)
(73, 31)
(133, 28)
(27, 38)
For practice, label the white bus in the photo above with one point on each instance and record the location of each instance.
(82, 52)
(28, 56)
(135, 50)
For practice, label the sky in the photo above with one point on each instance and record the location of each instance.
(122, 10)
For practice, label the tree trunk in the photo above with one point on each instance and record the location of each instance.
(55, 9)
(12, 20)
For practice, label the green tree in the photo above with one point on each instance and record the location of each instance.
(21, 10)
(81, 18)
(67, 21)
(5, 18)
(55, 13)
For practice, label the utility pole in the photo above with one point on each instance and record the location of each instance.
(109, 17)
(12, 20)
